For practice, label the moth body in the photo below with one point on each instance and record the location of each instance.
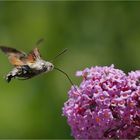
(28, 65)
(29, 71)
(25, 65)
(41, 66)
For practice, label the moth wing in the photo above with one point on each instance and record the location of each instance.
(16, 58)
(39, 41)
(33, 55)
(16, 61)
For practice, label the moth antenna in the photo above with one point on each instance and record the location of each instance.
(39, 41)
(59, 54)
(65, 75)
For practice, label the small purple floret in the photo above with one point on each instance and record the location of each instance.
(105, 105)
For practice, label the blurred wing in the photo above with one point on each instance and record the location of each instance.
(33, 55)
(39, 41)
(15, 57)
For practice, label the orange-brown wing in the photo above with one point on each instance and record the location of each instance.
(15, 57)
(33, 55)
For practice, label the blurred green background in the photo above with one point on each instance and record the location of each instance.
(95, 33)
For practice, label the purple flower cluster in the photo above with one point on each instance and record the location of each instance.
(105, 105)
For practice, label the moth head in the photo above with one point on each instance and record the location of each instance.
(44, 65)
(47, 66)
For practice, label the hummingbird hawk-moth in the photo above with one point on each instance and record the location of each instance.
(28, 65)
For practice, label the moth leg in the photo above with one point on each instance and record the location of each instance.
(26, 78)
